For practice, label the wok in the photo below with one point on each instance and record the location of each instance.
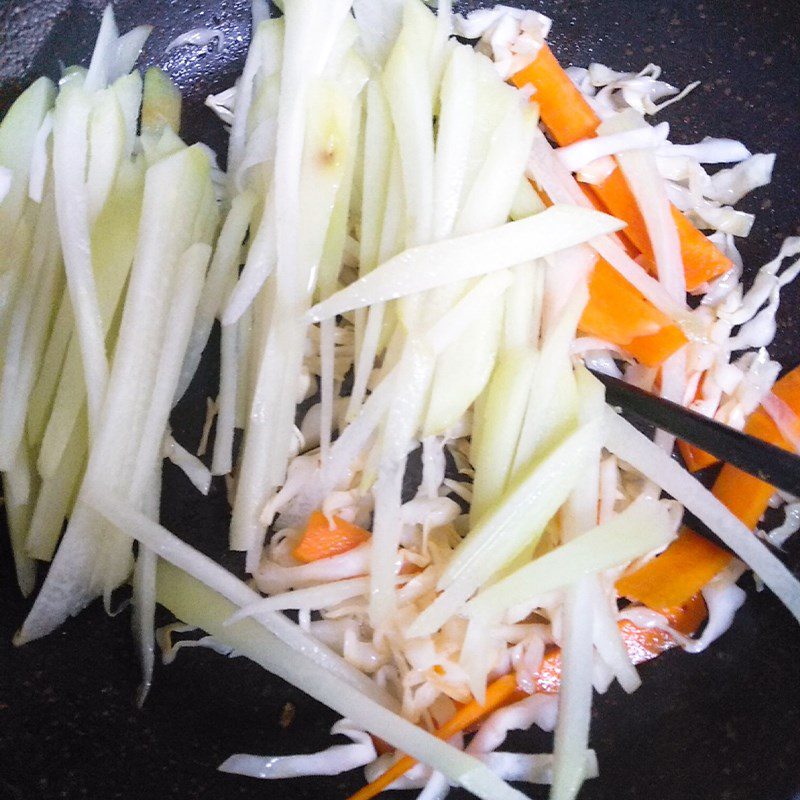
(721, 724)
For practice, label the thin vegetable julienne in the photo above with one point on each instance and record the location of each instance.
(569, 118)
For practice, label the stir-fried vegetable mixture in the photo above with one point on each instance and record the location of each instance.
(418, 247)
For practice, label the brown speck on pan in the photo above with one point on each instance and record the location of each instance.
(287, 715)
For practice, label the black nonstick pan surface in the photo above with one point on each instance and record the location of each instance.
(721, 725)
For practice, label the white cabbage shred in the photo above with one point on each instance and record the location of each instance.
(199, 37)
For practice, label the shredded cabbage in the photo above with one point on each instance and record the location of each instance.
(402, 278)
(199, 37)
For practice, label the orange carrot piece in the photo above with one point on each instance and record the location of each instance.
(688, 618)
(320, 540)
(619, 313)
(497, 695)
(695, 458)
(616, 310)
(569, 118)
(672, 578)
(653, 350)
(745, 495)
(562, 107)
(547, 679)
(644, 644)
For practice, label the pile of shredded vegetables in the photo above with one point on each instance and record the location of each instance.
(416, 249)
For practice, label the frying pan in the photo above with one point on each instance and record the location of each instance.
(721, 724)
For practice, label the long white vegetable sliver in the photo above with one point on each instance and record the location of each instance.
(575, 694)
(644, 526)
(505, 530)
(144, 590)
(648, 187)
(628, 444)
(26, 332)
(258, 267)
(128, 48)
(571, 738)
(55, 496)
(428, 266)
(18, 500)
(501, 414)
(327, 331)
(458, 99)
(409, 88)
(49, 372)
(70, 153)
(224, 266)
(222, 462)
(311, 598)
(414, 374)
(552, 394)
(39, 161)
(187, 286)
(244, 96)
(366, 358)
(104, 51)
(390, 242)
(576, 156)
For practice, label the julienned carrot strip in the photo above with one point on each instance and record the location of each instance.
(497, 694)
(619, 313)
(653, 350)
(688, 618)
(695, 458)
(569, 118)
(562, 107)
(687, 565)
(665, 583)
(320, 540)
(745, 495)
(616, 310)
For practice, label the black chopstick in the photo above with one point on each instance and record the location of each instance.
(754, 456)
